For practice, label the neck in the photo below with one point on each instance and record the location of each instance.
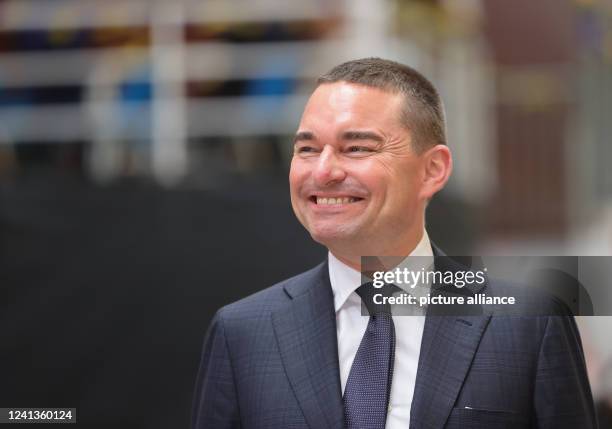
(351, 255)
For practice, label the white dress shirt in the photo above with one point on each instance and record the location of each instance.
(351, 326)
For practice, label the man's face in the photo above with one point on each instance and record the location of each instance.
(355, 179)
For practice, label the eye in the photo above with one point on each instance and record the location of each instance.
(304, 149)
(358, 149)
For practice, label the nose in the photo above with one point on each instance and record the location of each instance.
(328, 169)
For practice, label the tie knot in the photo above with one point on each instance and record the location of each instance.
(375, 299)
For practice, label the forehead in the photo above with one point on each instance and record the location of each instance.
(352, 104)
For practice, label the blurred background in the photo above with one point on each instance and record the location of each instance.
(144, 152)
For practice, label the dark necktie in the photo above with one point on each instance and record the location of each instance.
(368, 387)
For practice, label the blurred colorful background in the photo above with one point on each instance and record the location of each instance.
(144, 151)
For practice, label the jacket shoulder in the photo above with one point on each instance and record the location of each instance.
(268, 300)
(529, 300)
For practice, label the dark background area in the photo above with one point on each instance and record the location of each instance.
(106, 293)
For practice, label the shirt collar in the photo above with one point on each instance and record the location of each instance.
(345, 280)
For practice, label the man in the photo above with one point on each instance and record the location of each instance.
(370, 152)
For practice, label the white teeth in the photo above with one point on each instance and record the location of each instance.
(339, 200)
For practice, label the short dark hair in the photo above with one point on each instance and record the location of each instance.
(423, 112)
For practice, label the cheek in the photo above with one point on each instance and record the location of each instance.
(372, 174)
(399, 185)
(296, 174)
(378, 178)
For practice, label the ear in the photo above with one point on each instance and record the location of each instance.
(438, 166)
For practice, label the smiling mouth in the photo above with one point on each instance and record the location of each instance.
(334, 200)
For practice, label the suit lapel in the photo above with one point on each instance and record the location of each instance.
(306, 333)
(447, 350)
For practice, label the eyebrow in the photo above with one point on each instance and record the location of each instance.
(362, 135)
(303, 136)
(347, 135)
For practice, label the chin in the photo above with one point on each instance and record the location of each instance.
(331, 236)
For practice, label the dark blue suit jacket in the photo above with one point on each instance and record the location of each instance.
(271, 361)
